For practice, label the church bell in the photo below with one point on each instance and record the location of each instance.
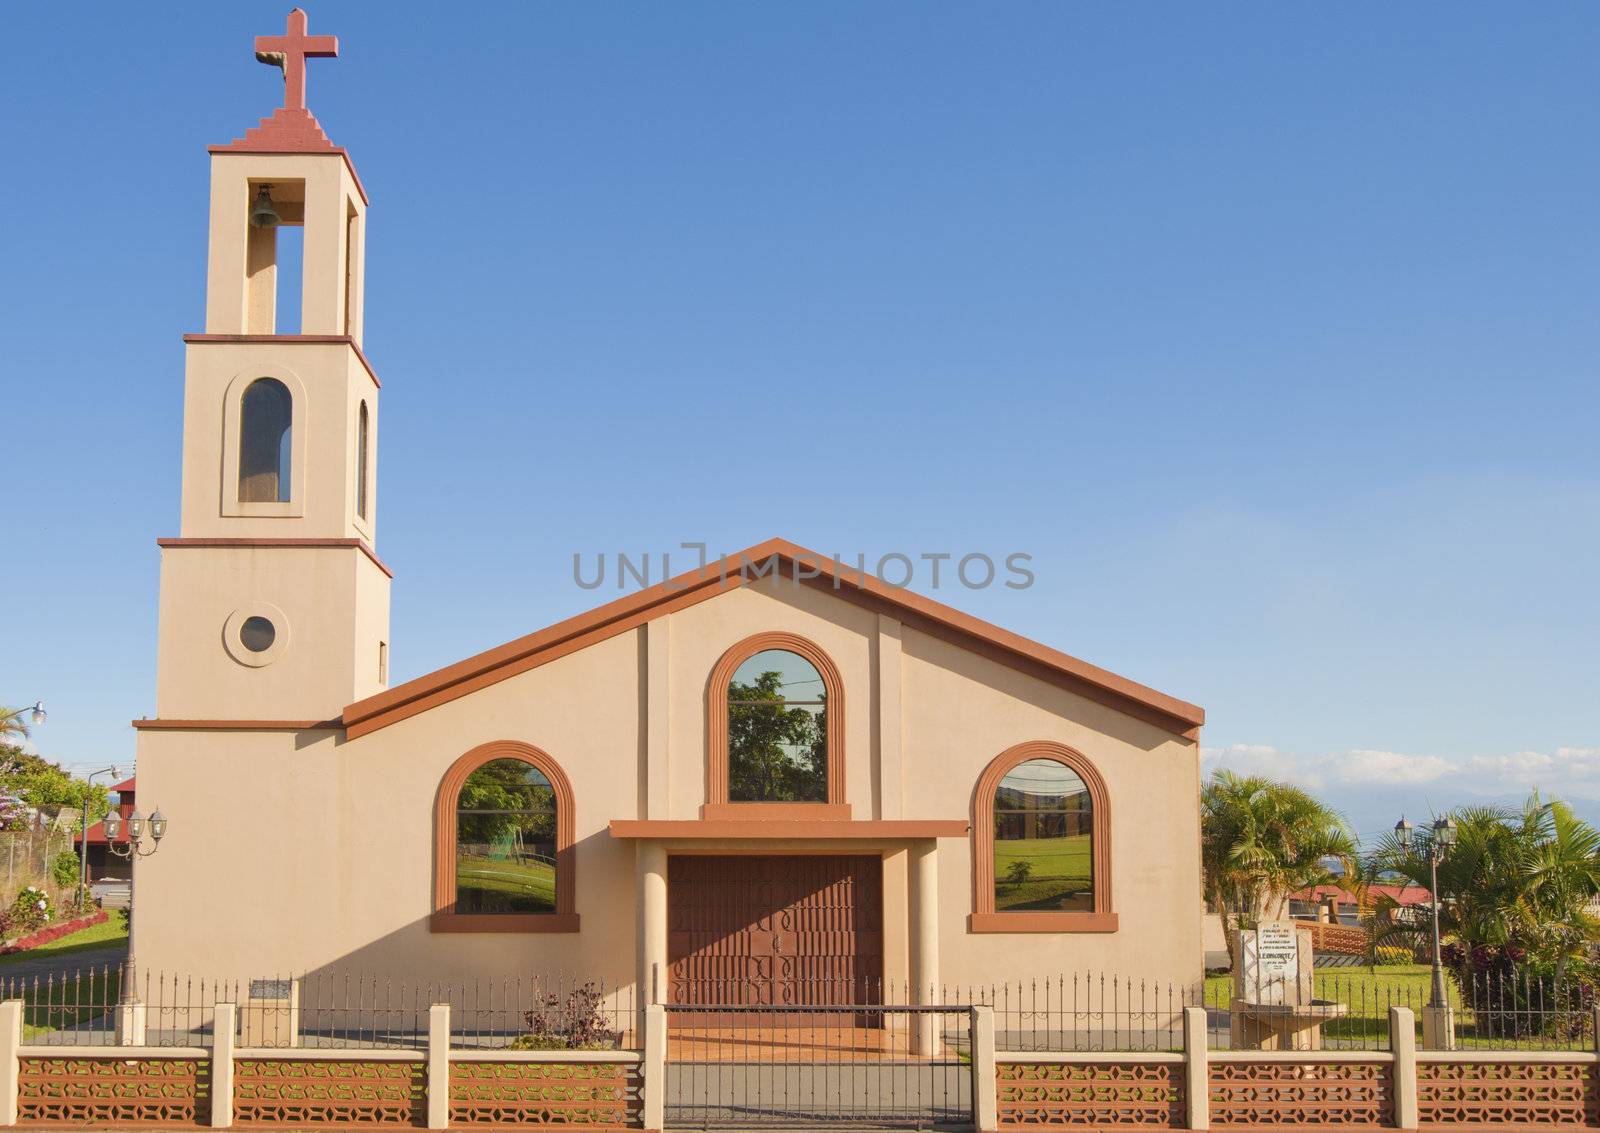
(262, 214)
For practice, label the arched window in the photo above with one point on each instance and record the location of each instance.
(362, 475)
(1041, 844)
(265, 414)
(503, 858)
(775, 725)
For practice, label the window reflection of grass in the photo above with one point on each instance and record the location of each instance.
(1041, 873)
(496, 884)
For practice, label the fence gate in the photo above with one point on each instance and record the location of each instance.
(885, 1067)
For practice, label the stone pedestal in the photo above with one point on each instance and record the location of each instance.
(1439, 1028)
(131, 1023)
(271, 1015)
(1273, 1006)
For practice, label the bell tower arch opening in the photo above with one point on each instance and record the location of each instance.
(277, 528)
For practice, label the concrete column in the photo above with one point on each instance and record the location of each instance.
(1439, 1028)
(925, 940)
(985, 1088)
(891, 777)
(321, 273)
(924, 860)
(439, 1066)
(657, 691)
(1196, 1069)
(655, 1068)
(10, 1045)
(130, 1022)
(650, 875)
(223, 1022)
(1403, 1042)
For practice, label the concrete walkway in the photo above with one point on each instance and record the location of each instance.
(63, 962)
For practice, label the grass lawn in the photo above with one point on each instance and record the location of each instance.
(110, 931)
(1370, 992)
(1367, 990)
(57, 1003)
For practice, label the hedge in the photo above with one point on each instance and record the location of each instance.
(54, 932)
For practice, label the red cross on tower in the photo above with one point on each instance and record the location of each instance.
(290, 52)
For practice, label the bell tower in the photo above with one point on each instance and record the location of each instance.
(274, 603)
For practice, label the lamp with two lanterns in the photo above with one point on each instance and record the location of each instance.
(1433, 844)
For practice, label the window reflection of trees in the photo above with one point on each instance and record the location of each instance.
(777, 730)
(506, 840)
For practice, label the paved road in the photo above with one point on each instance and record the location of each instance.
(59, 964)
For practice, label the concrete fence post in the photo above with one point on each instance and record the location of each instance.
(130, 1023)
(439, 1066)
(10, 1058)
(1196, 1069)
(222, 1026)
(1403, 1042)
(654, 1069)
(985, 1086)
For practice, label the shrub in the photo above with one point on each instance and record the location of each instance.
(576, 1024)
(64, 870)
(53, 932)
(31, 910)
(1388, 954)
(1512, 996)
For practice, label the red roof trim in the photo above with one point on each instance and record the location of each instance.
(696, 586)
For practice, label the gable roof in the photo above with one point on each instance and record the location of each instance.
(741, 569)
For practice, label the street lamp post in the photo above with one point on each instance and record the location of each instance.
(1434, 845)
(36, 714)
(83, 833)
(130, 1020)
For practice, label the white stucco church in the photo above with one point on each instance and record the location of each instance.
(767, 781)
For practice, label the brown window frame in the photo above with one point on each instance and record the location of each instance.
(717, 804)
(444, 917)
(984, 917)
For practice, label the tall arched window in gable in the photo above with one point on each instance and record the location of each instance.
(774, 730)
(504, 854)
(506, 840)
(1041, 844)
(265, 415)
(362, 475)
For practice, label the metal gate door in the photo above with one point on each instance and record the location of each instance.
(887, 1067)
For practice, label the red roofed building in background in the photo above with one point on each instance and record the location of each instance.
(102, 863)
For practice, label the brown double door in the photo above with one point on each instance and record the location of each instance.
(752, 931)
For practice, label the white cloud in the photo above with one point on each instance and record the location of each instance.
(1263, 759)
(1567, 771)
(1367, 767)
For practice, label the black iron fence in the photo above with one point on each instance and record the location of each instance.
(553, 1011)
(109, 1005)
(1337, 1009)
(753, 1065)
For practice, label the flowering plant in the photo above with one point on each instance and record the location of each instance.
(31, 910)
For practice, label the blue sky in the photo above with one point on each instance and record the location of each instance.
(1268, 331)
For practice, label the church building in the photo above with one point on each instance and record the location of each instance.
(770, 780)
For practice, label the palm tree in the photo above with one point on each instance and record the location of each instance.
(1262, 840)
(1515, 881)
(14, 725)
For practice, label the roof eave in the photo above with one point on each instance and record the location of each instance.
(732, 571)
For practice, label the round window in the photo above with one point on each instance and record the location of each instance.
(257, 634)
